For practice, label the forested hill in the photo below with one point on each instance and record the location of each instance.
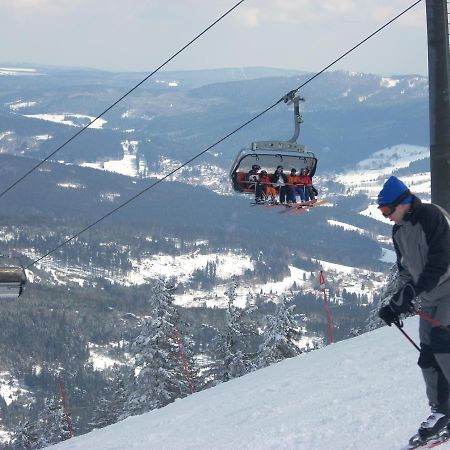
(223, 265)
(347, 116)
(70, 195)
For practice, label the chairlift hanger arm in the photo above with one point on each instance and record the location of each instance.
(292, 97)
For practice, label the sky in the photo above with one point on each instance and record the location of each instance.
(362, 393)
(139, 35)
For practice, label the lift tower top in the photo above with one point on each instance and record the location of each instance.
(439, 91)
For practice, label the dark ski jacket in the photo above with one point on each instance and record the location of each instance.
(275, 176)
(422, 245)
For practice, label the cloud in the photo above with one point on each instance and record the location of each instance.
(24, 3)
(135, 34)
(248, 14)
(79, 7)
(38, 8)
(250, 17)
(307, 12)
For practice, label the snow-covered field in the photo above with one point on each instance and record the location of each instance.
(370, 174)
(73, 120)
(10, 389)
(17, 71)
(353, 279)
(98, 357)
(365, 393)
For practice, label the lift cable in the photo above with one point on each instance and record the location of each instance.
(121, 98)
(160, 180)
(291, 93)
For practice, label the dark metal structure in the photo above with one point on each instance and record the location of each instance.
(12, 278)
(439, 100)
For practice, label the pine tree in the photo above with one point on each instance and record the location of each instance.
(389, 288)
(53, 423)
(232, 346)
(25, 436)
(111, 406)
(161, 376)
(280, 333)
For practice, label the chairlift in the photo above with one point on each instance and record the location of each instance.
(270, 154)
(12, 278)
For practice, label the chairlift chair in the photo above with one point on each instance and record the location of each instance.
(270, 154)
(12, 278)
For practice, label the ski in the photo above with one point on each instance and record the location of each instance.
(298, 211)
(291, 206)
(298, 208)
(264, 203)
(432, 442)
(293, 209)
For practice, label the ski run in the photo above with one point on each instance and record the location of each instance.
(364, 393)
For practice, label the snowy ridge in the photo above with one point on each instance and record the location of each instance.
(16, 71)
(73, 120)
(364, 393)
(370, 174)
(19, 104)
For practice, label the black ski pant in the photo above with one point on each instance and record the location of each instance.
(434, 357)
(283, 194)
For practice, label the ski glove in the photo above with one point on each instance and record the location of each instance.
(401, 301)
(388, 315)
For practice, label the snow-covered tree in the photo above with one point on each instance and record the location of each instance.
(388, 289)
(53, 423)
(25, 436)
(233, 358)
(160, 367)
(279, 336)
(111, 407)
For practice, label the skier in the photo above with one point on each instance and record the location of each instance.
(421, 236)
(269, 191)
(308, 189)
(279, 179)
(253, 183)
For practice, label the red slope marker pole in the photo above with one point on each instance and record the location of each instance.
(65, 407)
(327, 306)
(183, 358)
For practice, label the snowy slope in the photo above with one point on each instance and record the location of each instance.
(369, 175)
(360, 394)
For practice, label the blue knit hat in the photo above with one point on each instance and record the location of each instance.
(393, 188)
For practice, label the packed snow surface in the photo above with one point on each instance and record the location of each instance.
(364, 393)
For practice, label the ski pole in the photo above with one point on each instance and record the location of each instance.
(399, 325)
(434, 322)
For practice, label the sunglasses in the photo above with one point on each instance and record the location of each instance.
(389, 209)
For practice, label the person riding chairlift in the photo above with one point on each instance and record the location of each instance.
(308, 189)
(294, 189)
(269, 191)
(253, 181)
(279, 179)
